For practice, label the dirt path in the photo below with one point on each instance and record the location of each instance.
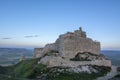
(111, 74)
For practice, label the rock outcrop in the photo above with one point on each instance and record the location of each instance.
(71, 50)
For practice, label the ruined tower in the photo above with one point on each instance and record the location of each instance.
(70, 43)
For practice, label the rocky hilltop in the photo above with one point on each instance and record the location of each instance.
(73, 56)
(72, 49)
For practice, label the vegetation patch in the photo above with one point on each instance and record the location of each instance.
(118, 75)
(60, 73)
(118, 69)
(31, 70)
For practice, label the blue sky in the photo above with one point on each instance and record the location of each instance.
(34, 23)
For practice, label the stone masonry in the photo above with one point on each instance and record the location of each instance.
(69, 44)
(71, 50)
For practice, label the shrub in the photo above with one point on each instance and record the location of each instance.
(118, 69)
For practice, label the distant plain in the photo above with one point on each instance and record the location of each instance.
(10, 56)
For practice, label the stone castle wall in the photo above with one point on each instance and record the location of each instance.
(66, 47)
(69, 44)
(37, 52)
(58, 61)
(67, 63)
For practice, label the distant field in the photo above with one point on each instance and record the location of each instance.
(9, 56)
(114, 56)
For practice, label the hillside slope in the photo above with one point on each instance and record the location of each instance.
(30, 69)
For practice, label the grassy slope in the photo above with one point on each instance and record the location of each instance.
(29, 69)
(12, 55)
(6, 72)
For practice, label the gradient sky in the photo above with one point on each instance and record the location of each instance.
(33, 23)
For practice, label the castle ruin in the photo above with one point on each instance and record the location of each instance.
(67, 46)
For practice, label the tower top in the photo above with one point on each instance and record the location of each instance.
(80, 28)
